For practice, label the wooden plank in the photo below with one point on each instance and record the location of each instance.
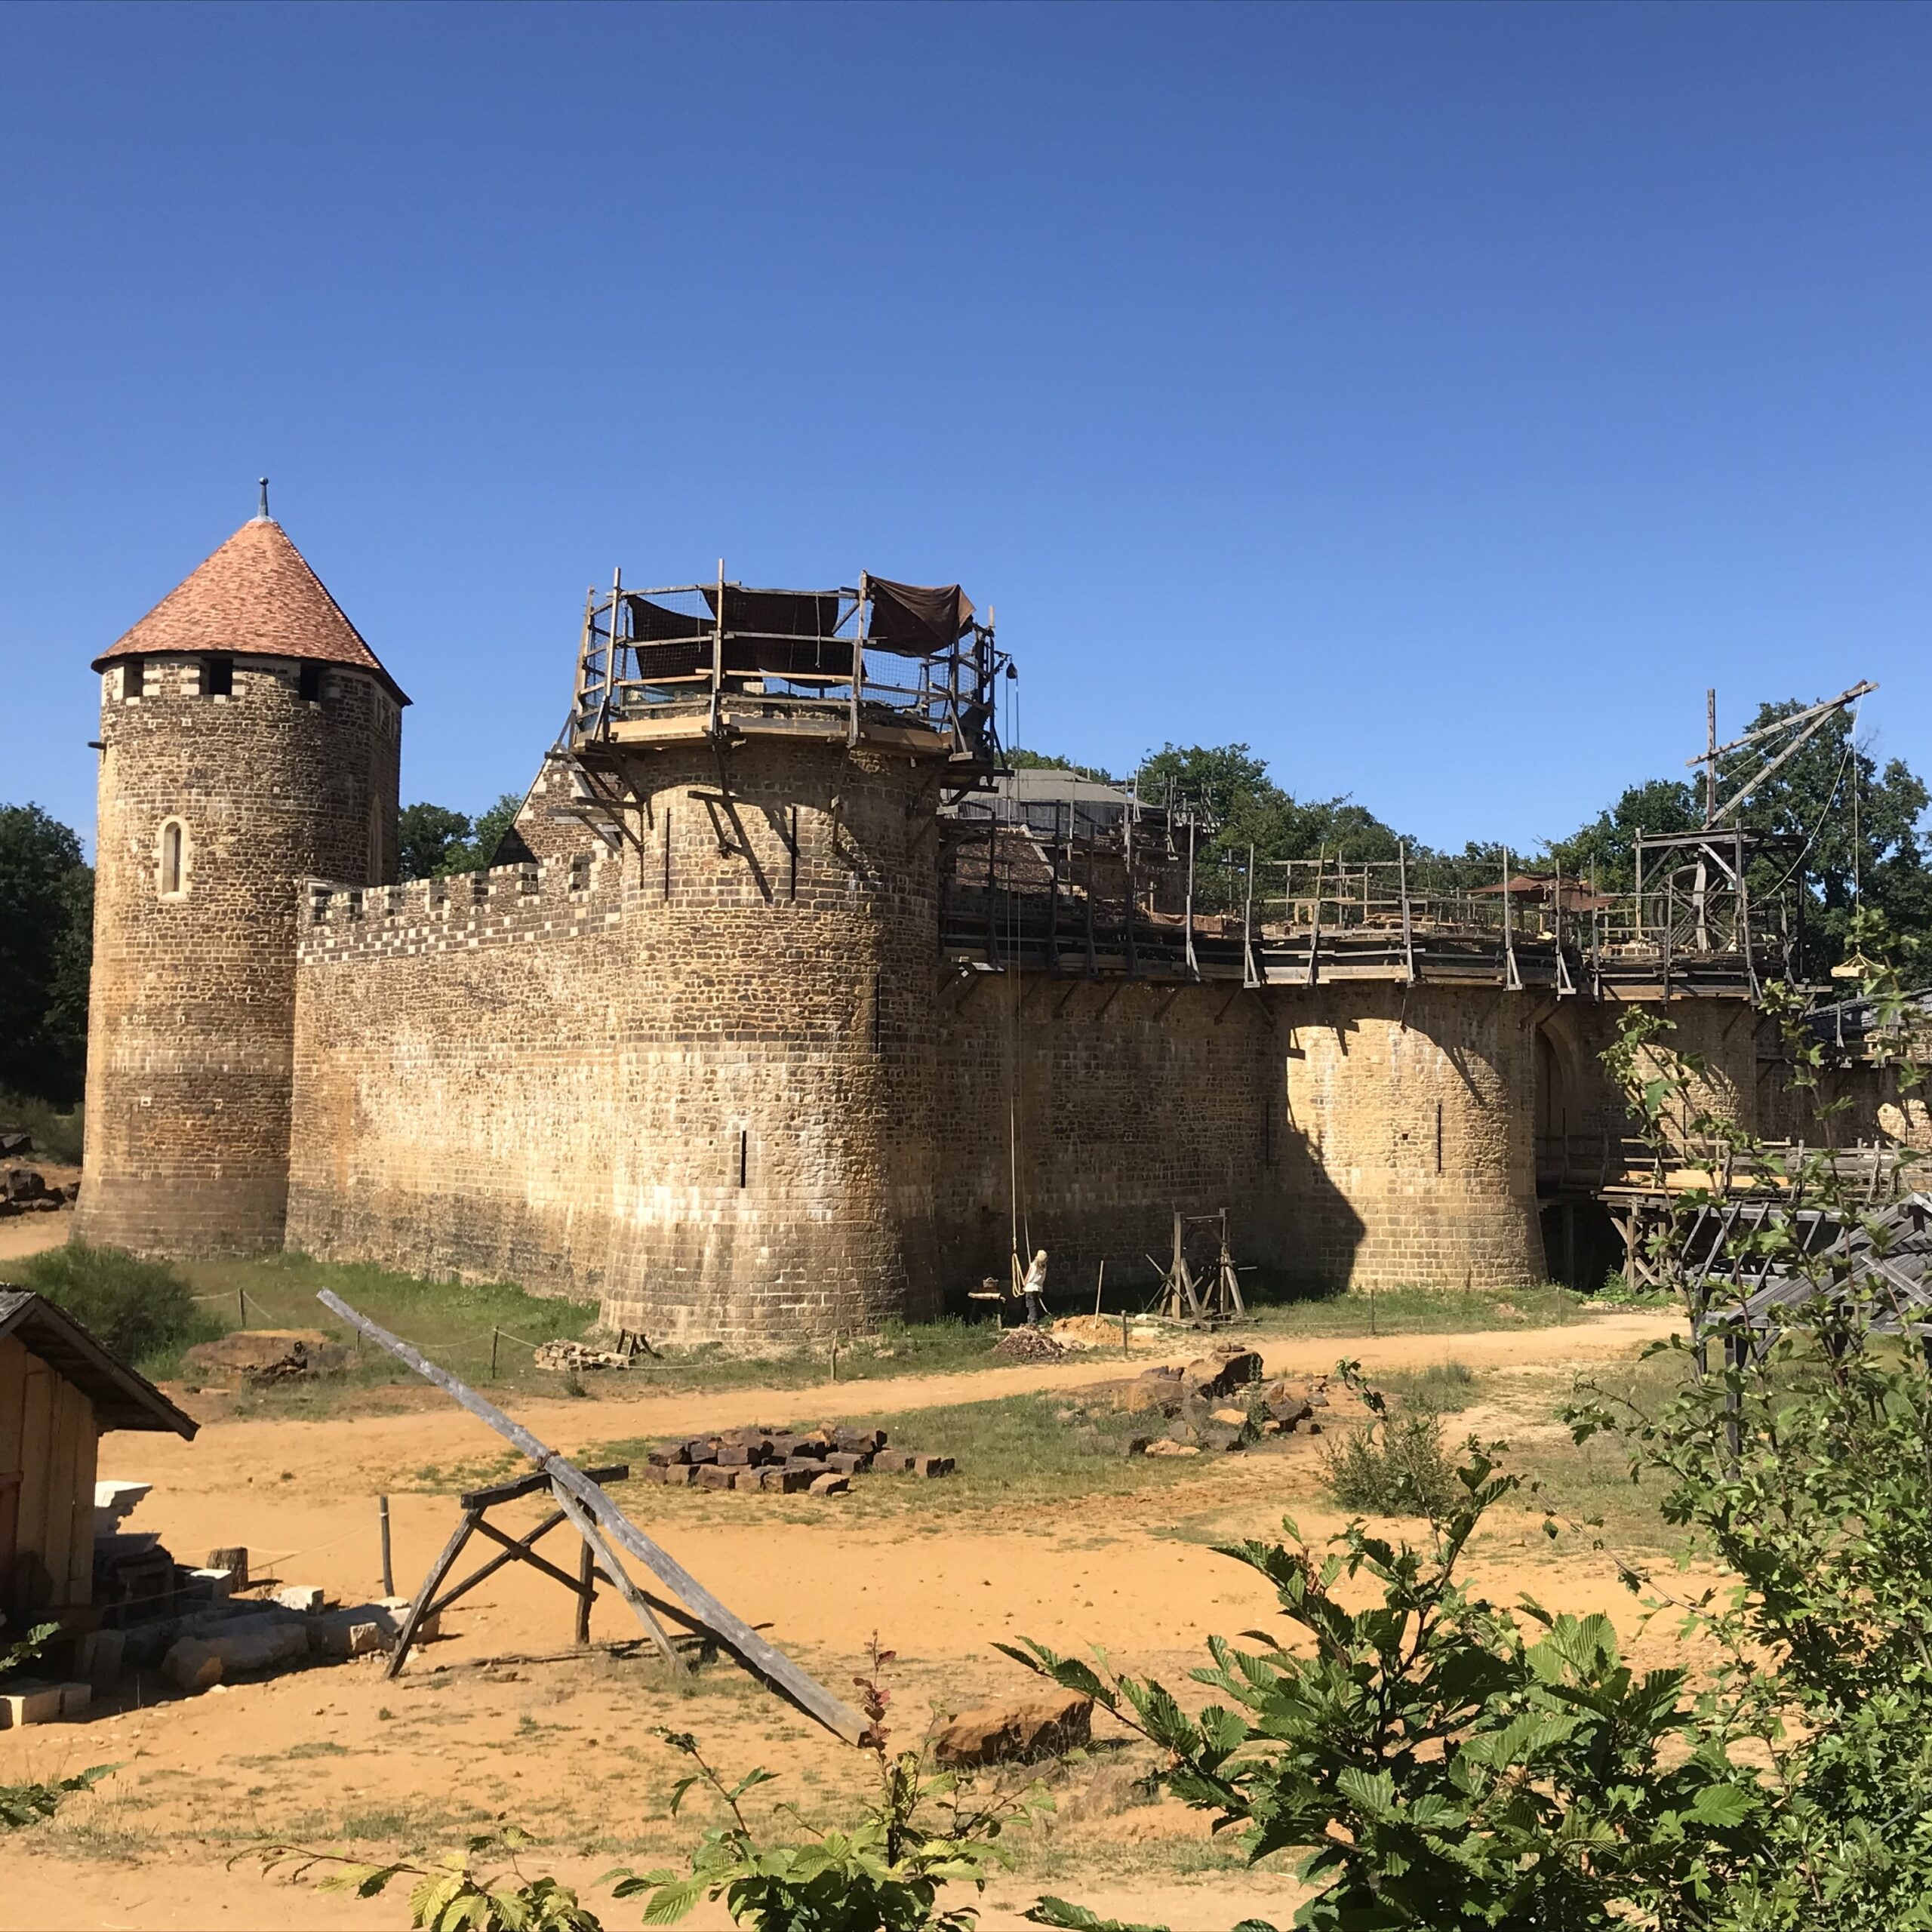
(70, 1412)
(598, 1554)
(80, 1565)
(36, 1434)
(731, 1630)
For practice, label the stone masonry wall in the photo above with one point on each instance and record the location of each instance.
(694, 1079)
(193, 993)
(1359, 1138)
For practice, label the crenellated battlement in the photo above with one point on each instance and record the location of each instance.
(547, 898)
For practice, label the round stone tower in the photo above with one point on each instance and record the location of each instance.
(249, 738)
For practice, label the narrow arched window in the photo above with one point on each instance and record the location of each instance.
(174, 859)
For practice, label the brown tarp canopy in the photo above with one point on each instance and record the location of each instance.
(916, 619)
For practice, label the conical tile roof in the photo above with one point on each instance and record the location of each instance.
(256, 596)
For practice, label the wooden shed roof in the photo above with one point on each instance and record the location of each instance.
(121, 1398)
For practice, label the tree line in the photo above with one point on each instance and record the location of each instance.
(1858, 827)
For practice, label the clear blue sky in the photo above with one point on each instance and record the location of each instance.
(1436, 398)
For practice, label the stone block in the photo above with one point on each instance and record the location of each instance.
(649, 1472)
(734, 1455)
(830, 1484)
(100, 1655)
(859, 1441)
(74, 1699)
(30, 1703)
(848, 1462)
(1218, 1375)
(667, 1452)
(932, 1465)
(700, 1449)
(676, 1475)
(787, 1481)
(711, 1475)
(891, 1463)
(1027, 1728)
(210, 1585)
(749, 1478)
(306, 1597)
(250, 1644)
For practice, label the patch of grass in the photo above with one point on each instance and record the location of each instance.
(1010, 1452)
(1445, 1387)
(143, 1311)
(1419, 1311)
(56, 1135)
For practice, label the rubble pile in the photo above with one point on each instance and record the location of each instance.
(25, 1190)
(261, 1356)
(818, 1462)
(1029, 1345)
(1216, 1403)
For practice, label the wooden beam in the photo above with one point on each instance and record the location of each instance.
(769, 1662)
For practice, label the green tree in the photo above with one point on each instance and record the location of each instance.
(1608, 844)
(46, 947)
(479, 850)
(427, 835)
(1020, 759)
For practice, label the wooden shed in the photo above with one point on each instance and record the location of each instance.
(60, 1391)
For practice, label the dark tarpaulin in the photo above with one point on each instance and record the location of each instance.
(652, 623)
(778, 613)
(917, 619)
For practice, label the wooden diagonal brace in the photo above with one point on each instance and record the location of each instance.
(567, 1479)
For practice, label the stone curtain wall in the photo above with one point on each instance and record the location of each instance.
(1313, 1116)
(694, 1080)
(193, 996)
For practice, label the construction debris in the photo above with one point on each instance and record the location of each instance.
(261, 1356)
(783, 1462)
(1029, 1345)
(567, 1357)
(27, 1191)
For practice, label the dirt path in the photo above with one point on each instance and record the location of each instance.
(343, 1756)
(24, 1235)
(374, 1453)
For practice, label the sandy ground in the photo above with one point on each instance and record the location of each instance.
(341, 1756)
(23, 1234)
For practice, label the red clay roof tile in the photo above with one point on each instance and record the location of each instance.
(256, 596)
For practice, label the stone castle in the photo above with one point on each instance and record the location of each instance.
(784, 1009)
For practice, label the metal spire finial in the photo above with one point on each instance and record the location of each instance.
(262, 514)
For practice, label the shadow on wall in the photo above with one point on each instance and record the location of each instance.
(1290, 1229)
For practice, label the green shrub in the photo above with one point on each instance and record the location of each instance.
(56, 1135)
(140, 1309)
(1395, 1464)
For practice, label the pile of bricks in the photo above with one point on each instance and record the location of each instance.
(819, 1462)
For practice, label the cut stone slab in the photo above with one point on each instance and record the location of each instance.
(74, 1699)
(218, 1586)
(712, 1475)
(1027, 1727)
(306, 1597)
(891, 1463)
(115, 1501)
(831, 1483)
(100, 1655)
(30, 1703)
(848, 1462)
(250, 1644)
(932, 1465)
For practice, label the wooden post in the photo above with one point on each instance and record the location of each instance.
(241, 1309)
(858, 663)
(382, 1517)
(1099, 1285)
(494, 1332)
(587, 1593)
